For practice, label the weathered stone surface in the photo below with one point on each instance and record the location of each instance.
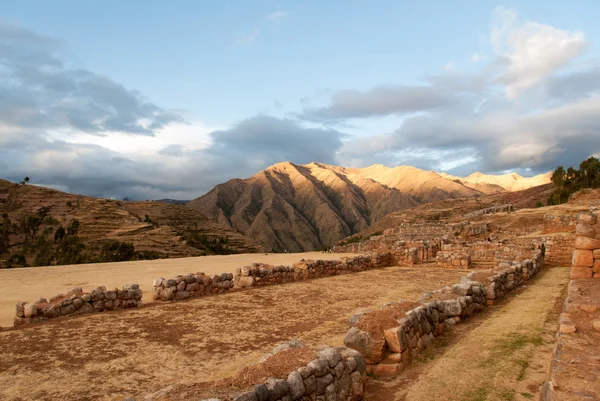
(296, 385)
(585, 230)
(310, 384)
(277, 388)
(262, 392)
(596, 325)
(249, 396)
(331, 355)
(319, 367)
(567, 326)
(396, 339)
(583, 258)
(369, 346)
(86, 297)
(386, 369)
(578, 272)
(245, 282)
(323, 382)
(587, 218)
(356, 382)
(29, 310)
(20, 309)
(587, 243)
(330, 394)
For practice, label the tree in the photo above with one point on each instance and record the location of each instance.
(572, 180)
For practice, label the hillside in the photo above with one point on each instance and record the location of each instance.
(289, 207)
(156, 229)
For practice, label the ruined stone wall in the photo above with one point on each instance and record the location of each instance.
(191, 286)
(586, 197)
(261, 274)
(387, 350)
(586, 256)
(337, 373)
(510, 253)
(560, 223)
(559, 249)
(405, 251)
(77, 302)
(454, 255)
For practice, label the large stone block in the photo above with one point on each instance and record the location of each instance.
(396, 339)
(583, 258)
(369, 345)
(587, 243)
(585, 230)
(581, 272)
(588, 218)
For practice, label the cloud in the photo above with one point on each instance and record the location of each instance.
(531, 51)
(277, 16)
(476, 58)
(40, 91)
(379, 101)
(449, 66)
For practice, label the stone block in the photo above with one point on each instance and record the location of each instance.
(370, 346)
(583, 258)
(386, 369)
(585, 230)
(578, 272)
(587, 218)
(396, 339)
(587, 243)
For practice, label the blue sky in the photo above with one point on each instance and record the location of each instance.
(179, 96)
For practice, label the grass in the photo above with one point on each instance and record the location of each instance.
(479, 394)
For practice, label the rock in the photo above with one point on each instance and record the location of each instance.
(585, 230)
(583, 258)
(310, 384)
(452, 307)
(589, 308)
(387, 369)
(369, 346)
(587, 243)
(158, 282)
(578, 272)
(20, 309)
(356, 381)
(331, 355)
(182, 294)
(245, 282)
(296, 385)
(567, 326)
(279, 348)
(86, 297)
(330, 394)
(262, 392)
(596, 324)
(323, 382)
(462, 289)
(249, 396)
(587, 218)
(29, 310)
(277, 388)
(319, 367)
(396, 339)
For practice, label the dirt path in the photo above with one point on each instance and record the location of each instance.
(29, 284)
(111, 356)
(502, 354)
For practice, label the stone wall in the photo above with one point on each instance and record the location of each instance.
(389, 343)
(191, 286)
(559, 249)
(454, 255)
(586, 256)
(559, 223)
(261, 274)
(77, 302)
(336, 374)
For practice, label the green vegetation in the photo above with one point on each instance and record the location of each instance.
(569, 181)
(210, 245)
(351, 240)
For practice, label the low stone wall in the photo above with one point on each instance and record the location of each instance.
(336, 374)
(77, 302)
(261, 274)
(559, 223)
(389, 342)
(586, 257)
(191, 286)
(559, 249)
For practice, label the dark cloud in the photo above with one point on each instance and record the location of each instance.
(380, 101)
(37, 90)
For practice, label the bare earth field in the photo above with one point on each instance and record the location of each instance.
(29, 284)
(110, 356)
(502, 354)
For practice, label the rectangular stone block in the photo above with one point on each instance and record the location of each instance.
(581, 272)
(583, 258)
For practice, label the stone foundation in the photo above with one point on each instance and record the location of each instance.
(77, 302)
(191, 286)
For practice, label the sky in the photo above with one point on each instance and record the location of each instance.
(150, 99)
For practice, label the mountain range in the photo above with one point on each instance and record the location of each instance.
(291, 207)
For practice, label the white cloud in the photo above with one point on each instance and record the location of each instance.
(531, 51)
(277, 16)
(449, 66)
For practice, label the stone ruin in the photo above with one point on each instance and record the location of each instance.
(78, 302)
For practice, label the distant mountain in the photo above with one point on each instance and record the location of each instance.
(173, 201)
(497, 183)
(305, 207)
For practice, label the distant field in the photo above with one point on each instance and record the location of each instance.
(130, 353)
(29, 284)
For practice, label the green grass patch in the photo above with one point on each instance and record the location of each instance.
(527, 395)
(524, 365)
(479, 394)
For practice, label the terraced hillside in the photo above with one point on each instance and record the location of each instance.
(164, 229)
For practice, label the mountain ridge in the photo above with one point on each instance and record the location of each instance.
(299, 207)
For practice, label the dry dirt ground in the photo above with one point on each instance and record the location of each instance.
(110, 356)
(502, 354)
(29, 284)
